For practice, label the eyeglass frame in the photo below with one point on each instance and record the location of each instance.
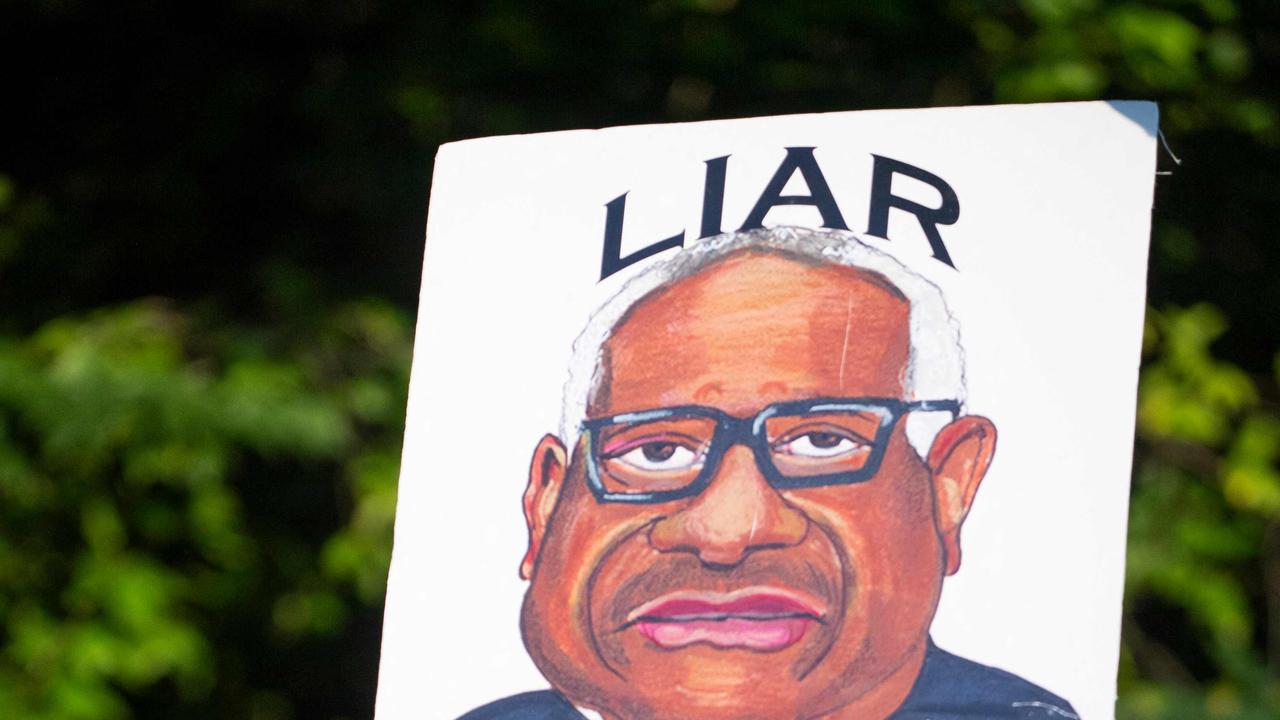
(751, 431)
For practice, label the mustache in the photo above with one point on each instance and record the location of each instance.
(685, 572)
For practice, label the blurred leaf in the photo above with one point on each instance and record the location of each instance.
(114, 426)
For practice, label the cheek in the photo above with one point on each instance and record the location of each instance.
(886, 535)
(580, 535)
(557, 615)
(885, 528)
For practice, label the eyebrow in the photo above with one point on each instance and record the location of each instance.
(707, 390)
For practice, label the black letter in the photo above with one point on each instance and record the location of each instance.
(610, 263)
(713, 197)
(882, 198)
(798, 158)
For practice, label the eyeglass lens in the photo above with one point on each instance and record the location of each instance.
(672, 453)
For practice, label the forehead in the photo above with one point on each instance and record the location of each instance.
(758, 327)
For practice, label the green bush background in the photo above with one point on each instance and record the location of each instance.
(210, 234)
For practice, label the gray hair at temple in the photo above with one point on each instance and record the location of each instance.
(935, 365)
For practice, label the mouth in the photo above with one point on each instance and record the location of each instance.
(760, 619)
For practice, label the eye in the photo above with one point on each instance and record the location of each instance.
(824, 443)
(658, 455)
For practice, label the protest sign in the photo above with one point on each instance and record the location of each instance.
(809, 416)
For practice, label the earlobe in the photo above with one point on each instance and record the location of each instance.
(958, 461)
(547, 471)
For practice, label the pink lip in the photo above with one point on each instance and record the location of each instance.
(762, 619)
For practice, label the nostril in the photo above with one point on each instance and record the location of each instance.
(672, 535)
(722, 557)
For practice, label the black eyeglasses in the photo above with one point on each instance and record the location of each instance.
(671, 453)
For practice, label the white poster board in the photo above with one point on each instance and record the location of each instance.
(1029, 223)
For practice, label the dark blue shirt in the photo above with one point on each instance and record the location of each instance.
(948, 688)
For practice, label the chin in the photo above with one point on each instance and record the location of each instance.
(692, 698)
(746, 705)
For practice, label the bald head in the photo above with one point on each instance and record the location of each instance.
(754, 327)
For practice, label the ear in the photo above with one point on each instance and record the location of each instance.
(957, 462)
(546, 478)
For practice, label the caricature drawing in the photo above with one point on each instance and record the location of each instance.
(756, 493)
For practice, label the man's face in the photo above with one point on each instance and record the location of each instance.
(746, 600)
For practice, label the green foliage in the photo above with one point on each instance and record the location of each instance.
(1204, 526)
(128, 437)
(1188, 56)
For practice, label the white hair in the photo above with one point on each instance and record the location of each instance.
(935, 364)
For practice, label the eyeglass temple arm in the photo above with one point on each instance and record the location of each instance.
(951, 406)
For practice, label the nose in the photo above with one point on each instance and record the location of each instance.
(738, 513)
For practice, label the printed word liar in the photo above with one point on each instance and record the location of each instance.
(801, 160)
